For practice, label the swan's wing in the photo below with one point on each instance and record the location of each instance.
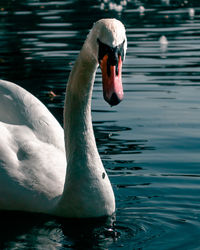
(32, 154)
(19, 107)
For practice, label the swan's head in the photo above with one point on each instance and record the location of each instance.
(109, 43)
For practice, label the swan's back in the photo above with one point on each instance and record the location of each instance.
(19, 107)
(32, 157)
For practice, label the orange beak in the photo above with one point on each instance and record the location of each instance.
(112, 81)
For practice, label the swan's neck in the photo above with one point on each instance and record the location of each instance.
(87, 191)
(79, 136)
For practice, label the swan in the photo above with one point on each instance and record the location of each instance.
(47, 169)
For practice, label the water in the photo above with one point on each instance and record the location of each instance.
(150, 143)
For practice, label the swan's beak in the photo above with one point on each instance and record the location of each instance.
(112, 80)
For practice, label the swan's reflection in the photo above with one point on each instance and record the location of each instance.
(35, 231)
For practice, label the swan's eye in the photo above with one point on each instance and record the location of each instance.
(103, 50)
(121, 50)
(112, 52)
(113, 55)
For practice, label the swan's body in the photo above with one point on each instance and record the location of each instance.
(32, 155)
(33, 172)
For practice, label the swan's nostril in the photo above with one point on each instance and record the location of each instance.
(114, 100)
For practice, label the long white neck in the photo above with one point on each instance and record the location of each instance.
(87, 191)
(78, 128)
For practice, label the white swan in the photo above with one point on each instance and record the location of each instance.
(33, 173)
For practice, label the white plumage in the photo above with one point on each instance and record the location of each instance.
(33, 172)
(32, 155)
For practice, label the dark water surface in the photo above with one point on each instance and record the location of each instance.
(150, 143)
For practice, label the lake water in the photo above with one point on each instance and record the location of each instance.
(150, 143)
